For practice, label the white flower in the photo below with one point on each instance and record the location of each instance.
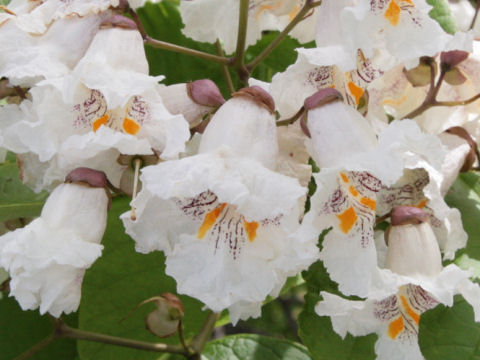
(402, 28)
(414, 266)
(26, 59)
(48, 258)
(306, 77)
(106, 107)
(209, 20)
(223, 217)
(355, 167)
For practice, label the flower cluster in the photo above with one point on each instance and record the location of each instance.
(223, 183)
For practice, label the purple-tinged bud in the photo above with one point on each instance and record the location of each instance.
(450, 59)
(205, 92)
(322, 97)
(257, 94)
(403, 215)
(472, 155)
(90, 177)
(118, 21)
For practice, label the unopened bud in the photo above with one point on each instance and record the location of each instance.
(165, 319)
(455, 77)
(91, 177)
(257, 94)
(421, 75)
(412, 246)
(403, 215)
(322, 97)
(118, 21)
(450, 59)
(205, 92)
(472, 155)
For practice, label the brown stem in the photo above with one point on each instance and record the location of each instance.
(36, 348)
(309, 4)
(477, 8)
(182, 337)
(187, 51)
(199, 341)
(291, 120)
(239, 64)
(458, 103)
(431, 98)
(225, 71)
(65, 331)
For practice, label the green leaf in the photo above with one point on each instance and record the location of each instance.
(450, 333)
(20, 330)
(464, 262)
(162, 21)
(118, 281)
(465, 196)
(442, 14)
(254, 347)
(16, 199)
(316, 331)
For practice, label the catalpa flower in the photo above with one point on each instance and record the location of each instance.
(355, 167)
(209, 20)
(47, 259)
(306, 77)
(106, 107)
(413, 263)
(223, 217)
(401, 28)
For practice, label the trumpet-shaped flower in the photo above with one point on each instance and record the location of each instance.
(413, 263)
(224, 217)
(104, 108)
(48, 258)
(355, 167)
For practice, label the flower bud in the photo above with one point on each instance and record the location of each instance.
(337, 131)
(118, 21)
(193, 100)
(93, 178)
(257, 94)
(412, 246)
(455, 77)
(421, 75)
(205, 92)
(165, 319)
(246, 125)
(450, 59)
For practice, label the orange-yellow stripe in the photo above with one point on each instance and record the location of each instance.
(393, 13)
(344, 177)
(395, 328)
(412, 313)
(210, 220)
(130, 126)
(251, 229)
(353, 191)
(356, 91)
(372, 204)
(347, 219)
(100, 121)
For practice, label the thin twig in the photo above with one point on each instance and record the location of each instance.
(239, 64)
(200, 340)
(36, 348)
(182, 337)
(477, 8)
(291, 120)
(225, 71)
(309, 4)
(187, 51)
(457, 103)
(67, 332)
